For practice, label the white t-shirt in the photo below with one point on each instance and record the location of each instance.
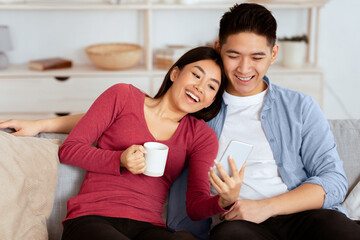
(262, 179)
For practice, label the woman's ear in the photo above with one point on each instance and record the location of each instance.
(174, 73)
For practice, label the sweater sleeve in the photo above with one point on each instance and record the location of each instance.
(78, 149)
(199, 204)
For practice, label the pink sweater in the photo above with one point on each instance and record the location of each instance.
(116, 121)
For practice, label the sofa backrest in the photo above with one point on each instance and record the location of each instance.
(346, 133)
(347, 138)
(68, 185)
(69, 182)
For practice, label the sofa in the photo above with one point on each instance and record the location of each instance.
(347, 137)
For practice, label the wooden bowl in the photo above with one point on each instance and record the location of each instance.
(114, 56)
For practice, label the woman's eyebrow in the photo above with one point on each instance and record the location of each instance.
(216, 81)
(200, 68)
(212, 79)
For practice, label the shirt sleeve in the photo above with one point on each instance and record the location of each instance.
(199, 204)
(321, 158)
(78, 149)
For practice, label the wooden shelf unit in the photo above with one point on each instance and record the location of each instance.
(12, 77)
(147, 7)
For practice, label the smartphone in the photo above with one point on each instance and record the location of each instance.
(239, 151)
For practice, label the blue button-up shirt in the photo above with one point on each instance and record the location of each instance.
(301, 141)
(303, 147)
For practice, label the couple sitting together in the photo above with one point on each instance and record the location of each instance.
(290, 187)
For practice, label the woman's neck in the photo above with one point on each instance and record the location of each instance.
(164, 109)
(162, 118)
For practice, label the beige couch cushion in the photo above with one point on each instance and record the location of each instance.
(28, 177)
(352, 203)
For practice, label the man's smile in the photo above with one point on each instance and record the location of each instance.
(244, 78)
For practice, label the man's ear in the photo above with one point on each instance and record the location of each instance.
(274, 53)
(217, 46)
(174, 73)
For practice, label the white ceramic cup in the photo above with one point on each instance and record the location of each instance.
(155, 158)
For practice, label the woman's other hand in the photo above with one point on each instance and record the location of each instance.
(24, 128)
(133, 159)
(227, 187)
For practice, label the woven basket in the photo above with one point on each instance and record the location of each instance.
(114, 56)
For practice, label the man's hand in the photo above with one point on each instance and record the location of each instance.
(27, 128)
(256, 211)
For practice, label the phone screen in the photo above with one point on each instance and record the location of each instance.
(239, 151)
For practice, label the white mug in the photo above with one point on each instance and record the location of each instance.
(155, 158)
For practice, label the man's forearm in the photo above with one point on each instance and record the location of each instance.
(305, 197)
(61, 124)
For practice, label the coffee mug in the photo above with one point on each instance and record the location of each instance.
(155, 158)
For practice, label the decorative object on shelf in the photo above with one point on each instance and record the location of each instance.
(166, 57)
(5, 45)
(293, 50)
(49, 63)
(114, 56)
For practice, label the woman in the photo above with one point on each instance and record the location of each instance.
(116, 200)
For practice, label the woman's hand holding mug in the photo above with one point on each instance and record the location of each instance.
(133, 159)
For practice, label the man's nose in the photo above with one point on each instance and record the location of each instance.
(244, 66)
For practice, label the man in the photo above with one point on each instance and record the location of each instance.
(294, 180)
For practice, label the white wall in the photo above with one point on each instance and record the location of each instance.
(41, 34)
(38, 34)
(338, 56)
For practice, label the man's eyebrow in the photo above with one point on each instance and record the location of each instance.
(261, 53)
(232, 51)
(212, 79)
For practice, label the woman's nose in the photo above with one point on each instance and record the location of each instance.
(199, 87)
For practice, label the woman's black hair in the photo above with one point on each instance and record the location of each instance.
(194, 55)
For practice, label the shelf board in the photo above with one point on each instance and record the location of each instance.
(276, 4)
(72, 6)
(307, 68)
(88, 70)
(58, 6)
(274, 69)
(85, 70)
